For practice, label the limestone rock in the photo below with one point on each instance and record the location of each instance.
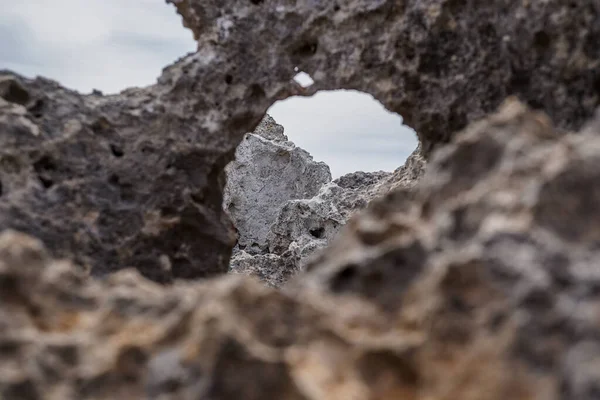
(267, 172)
(480, 284)
(113, 181)
(272, 269)
(306, 225)
(437, 63)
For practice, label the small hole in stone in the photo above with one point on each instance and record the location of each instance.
(303, 79)
(317, 232)
(116, 151)
(306, 48)
(1, 191)
(37, 108)
(336, 8)
(42, 167)
(541, 40)
(15, 93)
(344, 278)
(46, 182)
(256, 2)
(228, 79)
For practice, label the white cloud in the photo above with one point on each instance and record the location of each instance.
(114, 44)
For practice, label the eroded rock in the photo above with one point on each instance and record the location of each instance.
(310, 224)
(481, 283)
(268, 171)
(113, 181)
(437, 63)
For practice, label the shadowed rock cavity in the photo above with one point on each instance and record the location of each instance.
(480, 283)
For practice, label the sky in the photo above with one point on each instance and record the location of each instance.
(114, 44)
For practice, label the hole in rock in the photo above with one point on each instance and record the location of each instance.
(348, 130)
(317, 232)
(116, 151)
(112, 52)
(309, 165)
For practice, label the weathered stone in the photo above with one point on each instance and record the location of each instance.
(480, 284)
(114, 181)
(267, 172)
(306, 225)
(438, 63)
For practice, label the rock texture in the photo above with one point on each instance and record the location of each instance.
(286, 233)
(154, 157)
(116, 181)
(306, 225)
(268, 171)
(480, 284)
(438, 63)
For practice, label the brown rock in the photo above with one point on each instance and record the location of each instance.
(483, 287)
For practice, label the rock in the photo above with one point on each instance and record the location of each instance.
(272, 269)
(304, 226)
(438, 63)
(113, 181)
(158, 206)
(480, 283)
(267, 171)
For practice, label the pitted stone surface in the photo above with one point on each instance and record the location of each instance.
(437, 63)
(268, 171)
(113, 181)
(483, 287)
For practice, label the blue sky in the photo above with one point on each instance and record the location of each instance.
(113, 44)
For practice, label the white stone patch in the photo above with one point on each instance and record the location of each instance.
(303, 79)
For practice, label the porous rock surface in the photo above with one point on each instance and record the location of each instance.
(310, 224)
(116, 181)
(154, 156)
(268, 171)
(437, 63)
(481, 283)
(295, 229)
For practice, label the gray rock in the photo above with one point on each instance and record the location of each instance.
(480, 283)
(303, 226)
(438, 63)
(310, 224)
(267, 172)
(114, 181)
(273, 269)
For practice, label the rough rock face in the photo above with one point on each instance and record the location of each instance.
(303, 226)
(268, 171)
(116, 181)
(438, 63)
(154, 157)
(480, 284)
(310, 224)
